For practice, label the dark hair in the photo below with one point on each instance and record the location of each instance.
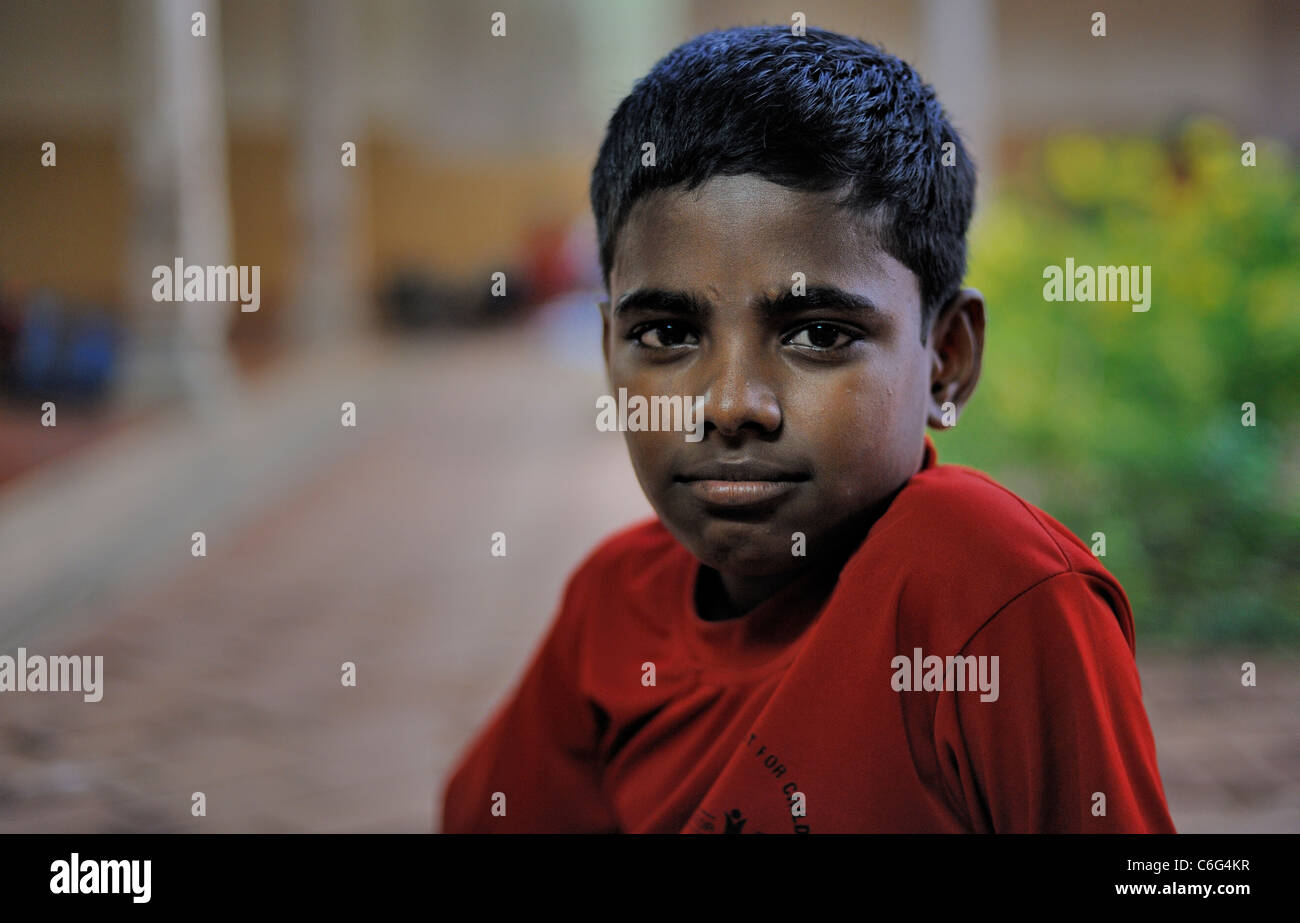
(812, 112)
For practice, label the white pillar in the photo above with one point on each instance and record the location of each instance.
(959, 51)
(326, 297)
(176, 161)
(618, 43)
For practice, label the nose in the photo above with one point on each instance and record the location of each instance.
(740, 394)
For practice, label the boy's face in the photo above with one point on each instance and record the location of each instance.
(815, 405)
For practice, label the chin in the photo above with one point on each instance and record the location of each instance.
(747, 567)
(743, 549)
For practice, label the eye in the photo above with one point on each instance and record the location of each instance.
(662, 335)
(822, 337)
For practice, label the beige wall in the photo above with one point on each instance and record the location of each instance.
(467, 142)
(66, 227)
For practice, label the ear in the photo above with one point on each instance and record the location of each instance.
(956, 345)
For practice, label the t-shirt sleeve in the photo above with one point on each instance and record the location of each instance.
(1066, 746)
(533, 769)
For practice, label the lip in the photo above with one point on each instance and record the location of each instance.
(739, 493)
(740, 469)
(740, 482)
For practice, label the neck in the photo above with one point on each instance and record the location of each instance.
(721, 595)
(727, 596)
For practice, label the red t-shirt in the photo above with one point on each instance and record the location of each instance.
(820, 710)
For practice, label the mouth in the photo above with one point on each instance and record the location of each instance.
(740, 483)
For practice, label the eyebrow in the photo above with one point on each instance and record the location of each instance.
(691, 304)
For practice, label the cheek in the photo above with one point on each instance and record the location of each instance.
(840, 416)
(858, 431)
(651, 453)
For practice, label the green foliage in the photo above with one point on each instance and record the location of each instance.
(1131, 423)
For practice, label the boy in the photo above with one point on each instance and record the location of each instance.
(823, 630)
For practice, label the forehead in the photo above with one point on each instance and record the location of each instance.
(734, 235)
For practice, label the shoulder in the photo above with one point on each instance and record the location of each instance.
(967, 515)
(624, 585)
(963, 547)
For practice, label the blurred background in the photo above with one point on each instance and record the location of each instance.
(328, 543)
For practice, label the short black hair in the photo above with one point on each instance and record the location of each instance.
(812, 112)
